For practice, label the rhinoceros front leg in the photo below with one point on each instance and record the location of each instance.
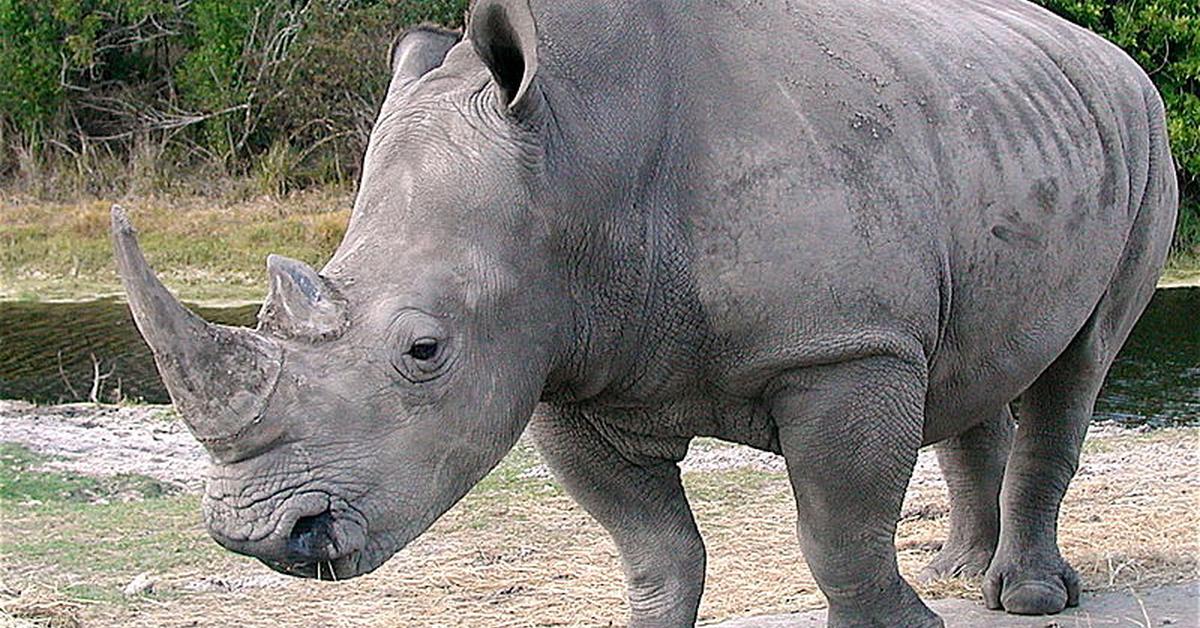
(640, 502)
(973, 464)
(850, 434)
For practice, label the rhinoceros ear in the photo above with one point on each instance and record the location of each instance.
(300, 303)
(505, 38)
(418, 50)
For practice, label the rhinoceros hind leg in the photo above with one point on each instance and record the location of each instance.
(1028, 574)
(973, 464)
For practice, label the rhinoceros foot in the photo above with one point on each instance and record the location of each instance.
(1032, 585)
(957, 561)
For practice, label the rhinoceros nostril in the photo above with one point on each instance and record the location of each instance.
(311, 538)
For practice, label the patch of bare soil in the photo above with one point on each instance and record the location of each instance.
(534, 558)
(107, 440)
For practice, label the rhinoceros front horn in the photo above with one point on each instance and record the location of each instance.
(219, 377)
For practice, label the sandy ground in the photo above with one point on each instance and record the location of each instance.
(108, 440)
(1131, 520)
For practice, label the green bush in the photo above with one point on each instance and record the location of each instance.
(216, 81)
(286, 90)
(30, 93)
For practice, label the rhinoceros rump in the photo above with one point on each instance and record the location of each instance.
(834, 229)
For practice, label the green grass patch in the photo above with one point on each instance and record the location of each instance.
(23, 481)
(511, 482)
(729, 488)
(56, 529)
(115, 539)
(93, 594)
(89, 536)
(166, 414)
(512, 476)
(20, 482)
(1183, 269)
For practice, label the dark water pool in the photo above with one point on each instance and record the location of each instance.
(47, 350)
(1156, 378)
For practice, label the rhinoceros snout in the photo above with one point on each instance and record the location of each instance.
(312, 538)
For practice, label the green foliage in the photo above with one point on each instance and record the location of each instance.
(208, 74)
(29, 88)
(220, 81)
(49, 49)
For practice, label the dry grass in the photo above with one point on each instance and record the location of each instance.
(205, 249)
(38, 608)
(517, 552)
(1184, 272)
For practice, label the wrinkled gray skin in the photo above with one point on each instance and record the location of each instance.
(838, 230)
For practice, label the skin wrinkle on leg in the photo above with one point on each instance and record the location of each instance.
(848, 502)
(642, 506)
(1028, 574)
(973, 465)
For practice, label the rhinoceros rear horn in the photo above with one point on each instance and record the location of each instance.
(505, 38)
(300, 304)
(219, 377)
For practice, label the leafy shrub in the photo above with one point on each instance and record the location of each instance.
(220, 81)
(29, 88)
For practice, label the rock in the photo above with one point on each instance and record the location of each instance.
(142, 584)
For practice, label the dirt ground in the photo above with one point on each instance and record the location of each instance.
(517, 551)
(1172, 605)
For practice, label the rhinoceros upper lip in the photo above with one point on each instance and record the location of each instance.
(346, 539)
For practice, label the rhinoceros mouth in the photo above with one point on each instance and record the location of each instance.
(327, 545)
(313, 533)
(342, 568)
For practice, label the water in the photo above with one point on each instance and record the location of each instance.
(1156, 377)
(47, 350)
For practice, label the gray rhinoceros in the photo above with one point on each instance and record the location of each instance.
(839, 230)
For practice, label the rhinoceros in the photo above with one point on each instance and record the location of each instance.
(837, 230)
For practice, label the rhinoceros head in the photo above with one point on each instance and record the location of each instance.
(373, 394)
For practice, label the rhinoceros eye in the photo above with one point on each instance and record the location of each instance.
(423, 349)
